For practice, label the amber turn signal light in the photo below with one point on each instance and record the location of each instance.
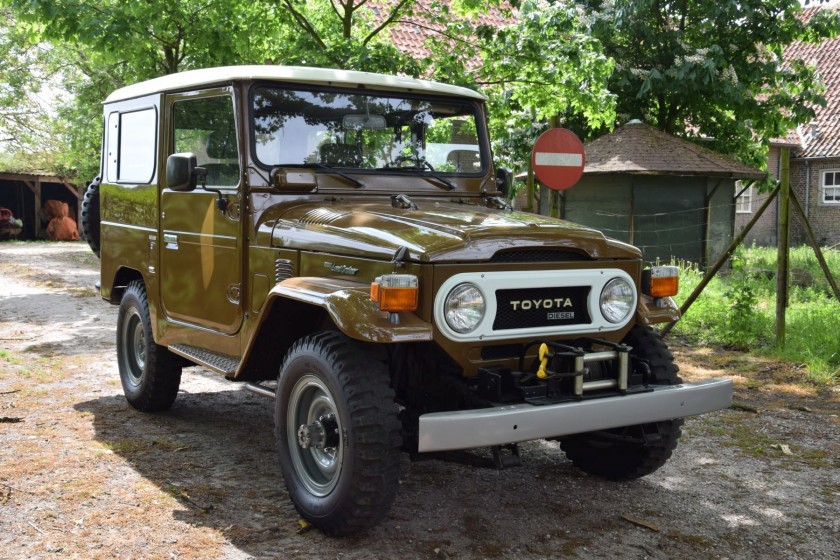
(661, 281)
(395, 292)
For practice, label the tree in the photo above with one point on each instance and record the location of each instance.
(540, 67)
(349, 34)
(24, 67)
(97, 46)
(712, 69)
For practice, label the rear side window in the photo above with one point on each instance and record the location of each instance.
(132, 145)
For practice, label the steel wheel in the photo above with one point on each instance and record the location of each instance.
(134, 353)
(150, 374)
(314, 435)
(338, 436)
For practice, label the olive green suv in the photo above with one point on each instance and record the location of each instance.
(340, 242)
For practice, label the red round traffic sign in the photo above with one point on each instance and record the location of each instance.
(558, 158)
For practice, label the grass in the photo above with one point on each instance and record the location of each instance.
(737, 310)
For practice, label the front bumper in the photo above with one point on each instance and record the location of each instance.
(483, 427)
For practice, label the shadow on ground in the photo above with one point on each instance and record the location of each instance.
(214, 452)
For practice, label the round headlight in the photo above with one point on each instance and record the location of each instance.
(464, 308)
(617, 300)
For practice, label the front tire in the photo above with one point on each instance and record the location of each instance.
(632, 451)
(337, 433)
(150, 374)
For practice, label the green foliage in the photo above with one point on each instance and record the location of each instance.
(544, 65)
(24, 65)
(713, 69)
(738, 309)
(742, 324)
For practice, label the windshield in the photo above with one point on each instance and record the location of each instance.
(362, 131)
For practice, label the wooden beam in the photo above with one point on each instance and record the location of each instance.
(38, 208)
(710, 273)
(814, 245)
(783, 253)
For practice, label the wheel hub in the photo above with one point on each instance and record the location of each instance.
(321, 434)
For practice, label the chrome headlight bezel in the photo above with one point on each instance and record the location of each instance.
(464, 308)
(617, 300)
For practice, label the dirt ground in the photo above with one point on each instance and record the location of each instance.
(83, 475)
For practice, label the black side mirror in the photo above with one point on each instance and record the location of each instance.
(504, 181)
(181, 172)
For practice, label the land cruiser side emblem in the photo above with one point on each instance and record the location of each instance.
(341, 268)
(548, 303)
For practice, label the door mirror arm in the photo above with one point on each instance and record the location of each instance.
(504, 181)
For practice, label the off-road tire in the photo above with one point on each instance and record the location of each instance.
(618, 460)
(355, 482)
(90, 216)
(150, 374)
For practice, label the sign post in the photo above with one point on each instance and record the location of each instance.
(558, 158)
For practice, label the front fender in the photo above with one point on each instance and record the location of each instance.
(348, 305)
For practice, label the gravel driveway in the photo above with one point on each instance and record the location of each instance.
(83, 475)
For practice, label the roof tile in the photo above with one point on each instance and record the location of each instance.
(641, 149)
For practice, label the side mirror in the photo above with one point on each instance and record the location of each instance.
(181, 172)
(504, 181)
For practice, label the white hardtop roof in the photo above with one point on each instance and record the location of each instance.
(297, 74)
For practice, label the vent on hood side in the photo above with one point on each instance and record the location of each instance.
(283, 270)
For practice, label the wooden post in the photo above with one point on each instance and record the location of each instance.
(783, 249)
(529, 188)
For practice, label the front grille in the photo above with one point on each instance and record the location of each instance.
(541, 307)
(537, 255)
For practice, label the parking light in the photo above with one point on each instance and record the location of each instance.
(661, 281)
(395, 292)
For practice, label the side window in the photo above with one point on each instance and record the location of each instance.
(206, 127)
(743, 204)
(137, 143)
(831, 187)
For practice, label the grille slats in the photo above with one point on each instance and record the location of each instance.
(537, 255)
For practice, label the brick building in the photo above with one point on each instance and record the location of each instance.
(814, 163)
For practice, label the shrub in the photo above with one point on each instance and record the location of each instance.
(738, 309)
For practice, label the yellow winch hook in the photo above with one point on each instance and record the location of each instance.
(541, 373)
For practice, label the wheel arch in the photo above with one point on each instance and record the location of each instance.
(122, 278)
(300, 306)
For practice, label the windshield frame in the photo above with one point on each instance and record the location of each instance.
(485, 150)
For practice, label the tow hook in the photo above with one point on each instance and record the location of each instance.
(506, 456)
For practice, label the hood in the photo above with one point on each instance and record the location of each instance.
(434, 231)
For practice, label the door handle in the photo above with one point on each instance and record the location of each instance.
(170, 240)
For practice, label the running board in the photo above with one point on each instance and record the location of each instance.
(220, 363)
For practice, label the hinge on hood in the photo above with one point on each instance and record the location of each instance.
(497, 202)
(402, 201)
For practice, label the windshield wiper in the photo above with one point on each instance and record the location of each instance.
(321, 167)
(423, 165)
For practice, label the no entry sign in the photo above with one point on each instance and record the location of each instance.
(558, 158)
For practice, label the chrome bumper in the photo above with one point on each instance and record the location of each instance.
(483, 427)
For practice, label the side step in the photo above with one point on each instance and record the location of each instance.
(220, 363)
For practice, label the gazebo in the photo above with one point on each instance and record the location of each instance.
(668, 196)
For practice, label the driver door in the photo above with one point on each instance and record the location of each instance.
(201, 249)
